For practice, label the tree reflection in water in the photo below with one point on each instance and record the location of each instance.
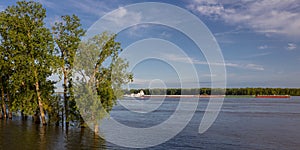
(24, 134)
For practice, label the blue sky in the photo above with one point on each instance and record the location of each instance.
(259, 40)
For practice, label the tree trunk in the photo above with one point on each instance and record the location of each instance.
(62, 117)
(41, 107)
(36, 118)
(49, 119)
(37, 88)
(22, 115)
(57, 113)
(1, 116)
(3, 102)
(82, 123)
(9, 113)
(66, 102)
(9, 109)
(96, 127)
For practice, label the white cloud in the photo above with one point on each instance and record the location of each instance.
(265, 16)
(291, 46)
(121, 12)
(177, 58)
(209, 10)
(258, 55)
(121, 16)
(165, 34)
(254, 67)
(189, 60)
(140, 81)
(48, 3)
(137, 30)
(94, 7)
(263, 47)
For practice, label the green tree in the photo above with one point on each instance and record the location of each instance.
(67, 35)
(102, 73)
(5, 64)
(30, 46)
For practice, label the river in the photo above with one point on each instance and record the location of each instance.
(245, 123)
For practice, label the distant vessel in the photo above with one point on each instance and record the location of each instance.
(140, 94)
(272, 96)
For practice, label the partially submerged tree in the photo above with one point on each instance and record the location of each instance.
(28, 58)
(67, 34)
(30, 46)
(100, 75)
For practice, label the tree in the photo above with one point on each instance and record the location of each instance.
(67, 35)
(101, 73)
(30, 46)
(5, 65)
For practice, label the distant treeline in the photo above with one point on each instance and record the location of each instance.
(219, 91)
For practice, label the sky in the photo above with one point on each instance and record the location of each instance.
(258, 39)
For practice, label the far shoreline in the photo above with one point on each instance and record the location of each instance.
(212, 96)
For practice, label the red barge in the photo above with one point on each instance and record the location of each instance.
(272, 96)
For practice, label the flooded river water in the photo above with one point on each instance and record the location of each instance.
(245, 123)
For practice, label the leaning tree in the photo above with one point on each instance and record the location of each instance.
(100, 74)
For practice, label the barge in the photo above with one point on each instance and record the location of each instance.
(272, 96)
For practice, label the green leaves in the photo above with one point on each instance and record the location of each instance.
(67, 34)
(26, 47)
(30, 54)
(99, 67)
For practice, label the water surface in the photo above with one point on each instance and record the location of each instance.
(246, 123)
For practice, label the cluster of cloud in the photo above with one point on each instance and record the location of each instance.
(280, 17)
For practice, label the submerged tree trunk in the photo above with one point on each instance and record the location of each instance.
(57, 113)
(23, 116)
(96, 127)
(42, 113)
(9, 109)
(41, 107)
(82, 123)
(3, 102)
(1, 116)
(66, 103)
(9, 113)
(36, 117)
(62, 116)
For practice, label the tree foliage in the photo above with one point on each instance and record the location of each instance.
(67, 34)
(101, 74)
(27, 48)
(30, 54)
